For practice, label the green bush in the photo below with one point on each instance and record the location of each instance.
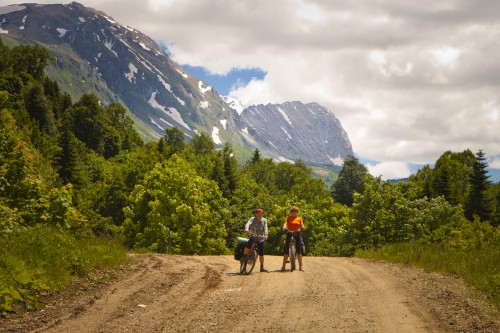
(43, 259)
(478, 266)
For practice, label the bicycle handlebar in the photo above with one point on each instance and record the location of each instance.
(255, 235)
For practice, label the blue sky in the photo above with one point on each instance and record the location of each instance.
(223, 84)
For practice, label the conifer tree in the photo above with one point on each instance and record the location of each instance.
(256, 156)
(451, 176)
(162, 146)
(39, 107)
(478, 202)
(230, 169)
(217, 175)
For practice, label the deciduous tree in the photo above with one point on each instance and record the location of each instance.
(175, 210)
(351, 180)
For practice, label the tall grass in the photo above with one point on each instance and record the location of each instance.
(480, 268)
(43, 259)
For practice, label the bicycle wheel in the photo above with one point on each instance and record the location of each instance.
(250, 262)
(243, 265)
(292, 254)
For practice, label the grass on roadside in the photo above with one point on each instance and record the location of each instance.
(480, 268)
(42, 260)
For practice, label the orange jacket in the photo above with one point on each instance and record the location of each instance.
(293, 223)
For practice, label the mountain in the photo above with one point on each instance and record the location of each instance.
(94, 53)
(294, 130)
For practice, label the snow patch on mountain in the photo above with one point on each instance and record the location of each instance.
(282, 112)
(337, 160)
(61, 32)
(144, 46)
(24, 22)
(169, 88)
(155, 123)
(109, 46)
(171, 111)
(183, 74)
(215, 136)
(223, 123)
(131, 75)
(203, 90)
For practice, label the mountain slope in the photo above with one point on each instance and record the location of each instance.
(121, 64)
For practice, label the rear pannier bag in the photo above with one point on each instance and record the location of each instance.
(240, 248)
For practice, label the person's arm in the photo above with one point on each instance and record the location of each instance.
(265, 230)
(247, 226)
(302, 225)
(284, 225)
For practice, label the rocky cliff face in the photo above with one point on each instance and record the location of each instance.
(294, 130)
(94, 53)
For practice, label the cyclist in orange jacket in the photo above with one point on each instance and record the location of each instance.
(293, 222)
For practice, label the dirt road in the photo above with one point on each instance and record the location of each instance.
(166, 293)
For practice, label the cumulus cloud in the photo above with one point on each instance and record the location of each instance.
(389, 170)
(495, 163)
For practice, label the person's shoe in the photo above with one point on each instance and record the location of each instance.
(282, 269)
(301, 269)
(262, 269)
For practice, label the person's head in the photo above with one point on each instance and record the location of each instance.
(294, 210)
(259, 212)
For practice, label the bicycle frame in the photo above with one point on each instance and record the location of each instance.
(292, 249)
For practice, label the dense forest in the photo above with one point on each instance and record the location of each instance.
(77, 171)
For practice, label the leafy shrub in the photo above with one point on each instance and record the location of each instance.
(44, 259)
(176, 211)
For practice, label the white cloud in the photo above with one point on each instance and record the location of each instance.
(309, 11)
(389, 170)
(446, 56)
(495, 163)
(378, 57)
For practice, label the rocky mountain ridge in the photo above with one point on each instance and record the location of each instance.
(308, 132)
(94, 53)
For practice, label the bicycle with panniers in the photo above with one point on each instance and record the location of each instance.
(251, 255)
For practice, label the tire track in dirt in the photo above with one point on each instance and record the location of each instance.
(169, 293)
